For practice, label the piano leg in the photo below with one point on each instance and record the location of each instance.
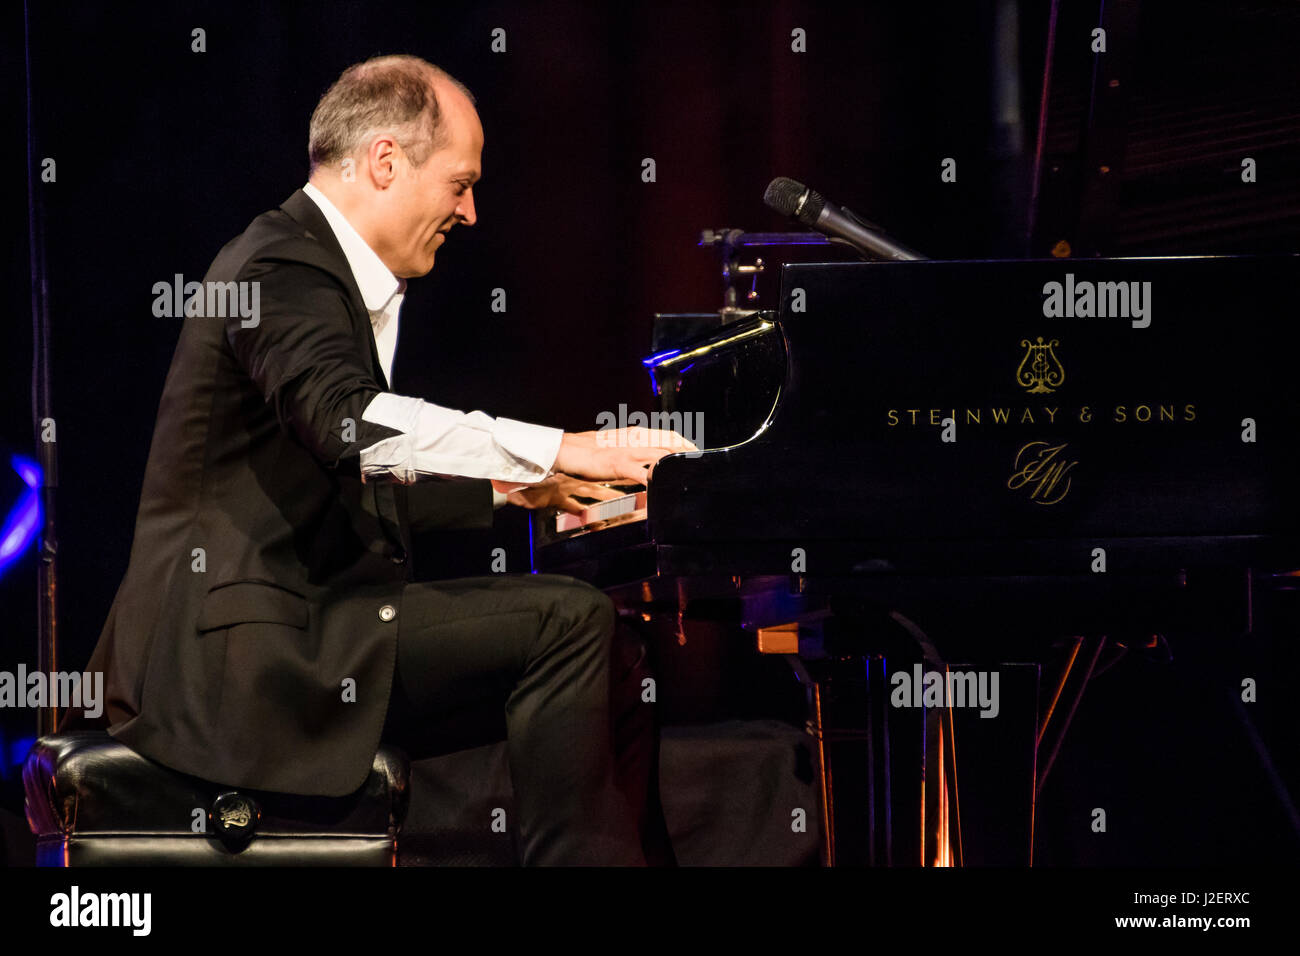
(815, 730)
(878, 806)
(941, 811)
(1075, 675)
(846, 768)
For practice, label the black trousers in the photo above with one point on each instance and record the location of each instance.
(537, 660)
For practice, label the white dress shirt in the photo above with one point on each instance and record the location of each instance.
(433, 440)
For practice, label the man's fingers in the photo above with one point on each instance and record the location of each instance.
(665, 438)
(590, 492)
(571, 505)
(564, 492)
(630, 463)
(639, 470)
(639, 437)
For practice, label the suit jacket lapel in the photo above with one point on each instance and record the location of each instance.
(307, 214)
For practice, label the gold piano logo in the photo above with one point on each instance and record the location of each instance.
(238, 814)
(1044, 469)
(1040, 370)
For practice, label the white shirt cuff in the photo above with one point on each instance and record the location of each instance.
(442, 441)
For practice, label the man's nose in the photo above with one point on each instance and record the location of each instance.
(465, 209)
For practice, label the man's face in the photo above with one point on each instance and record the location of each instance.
(426, 201)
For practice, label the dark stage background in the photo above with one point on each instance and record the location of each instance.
(164, 154)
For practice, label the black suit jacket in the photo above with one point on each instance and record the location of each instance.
(251, 641)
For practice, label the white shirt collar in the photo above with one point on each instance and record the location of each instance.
(377, 284)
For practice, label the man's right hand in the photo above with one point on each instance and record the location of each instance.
(614, 453)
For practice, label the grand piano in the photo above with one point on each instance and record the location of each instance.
(963, 467)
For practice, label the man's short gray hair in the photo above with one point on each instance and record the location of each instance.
(385, 93)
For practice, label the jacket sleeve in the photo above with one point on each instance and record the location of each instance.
(437, 504)
(301, 350)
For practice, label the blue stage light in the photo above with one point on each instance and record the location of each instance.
(23, 522)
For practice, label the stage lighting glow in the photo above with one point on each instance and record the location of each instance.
(24, 520)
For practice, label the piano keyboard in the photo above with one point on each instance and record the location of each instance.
(603, 514)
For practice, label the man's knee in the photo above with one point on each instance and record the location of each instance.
(579, 612)
(595, 606)
(630, 657)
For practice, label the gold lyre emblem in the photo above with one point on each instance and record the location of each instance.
(1040, 370)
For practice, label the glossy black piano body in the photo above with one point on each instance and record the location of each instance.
(1118, 474)
(831, 419)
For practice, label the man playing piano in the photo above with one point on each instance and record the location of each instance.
(269, 609)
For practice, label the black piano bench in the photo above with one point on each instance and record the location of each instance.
(92, 801)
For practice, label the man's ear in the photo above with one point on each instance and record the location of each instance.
(381, 161)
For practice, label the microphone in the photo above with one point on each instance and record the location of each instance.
(790, 198)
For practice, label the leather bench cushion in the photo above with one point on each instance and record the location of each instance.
(150, 849)
(86, 781)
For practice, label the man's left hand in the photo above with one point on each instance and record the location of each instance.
(558, 491)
